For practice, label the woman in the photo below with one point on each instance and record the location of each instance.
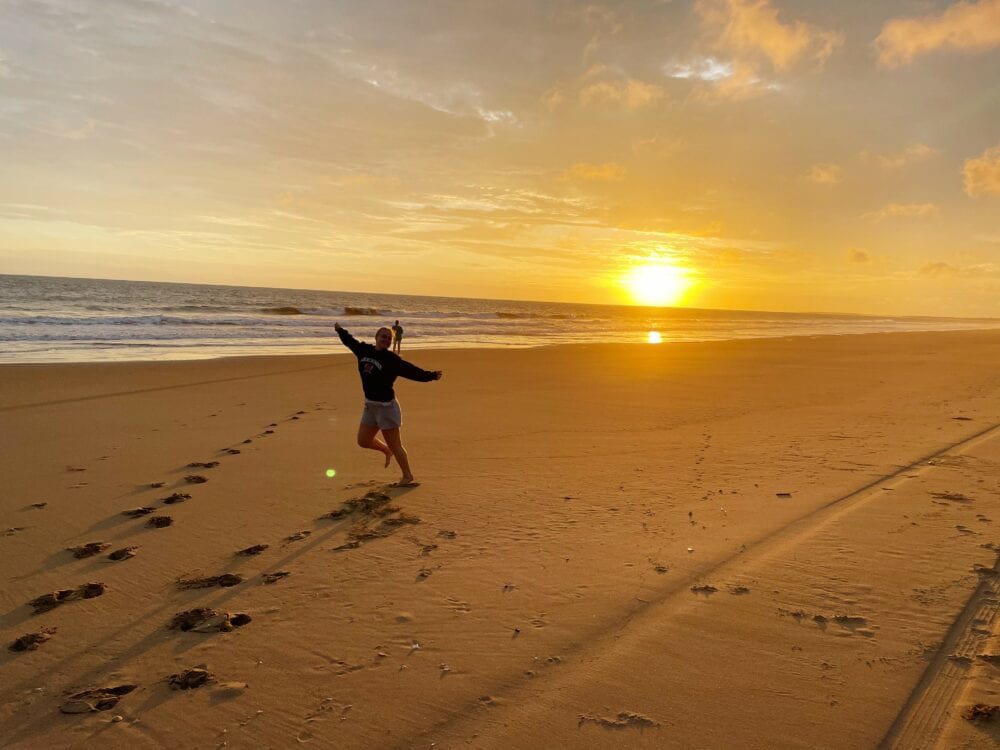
(379, 368)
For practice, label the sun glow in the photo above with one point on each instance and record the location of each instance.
(655, 337)
(657, 284)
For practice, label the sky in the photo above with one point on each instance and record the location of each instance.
(793, 155)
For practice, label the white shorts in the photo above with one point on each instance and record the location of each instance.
(386, 415)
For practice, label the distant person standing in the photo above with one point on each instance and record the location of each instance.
(379, 368)
(397, 337)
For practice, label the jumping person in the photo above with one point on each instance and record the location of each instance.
(378, 368)
(397, 337)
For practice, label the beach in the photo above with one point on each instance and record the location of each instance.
(769, 543)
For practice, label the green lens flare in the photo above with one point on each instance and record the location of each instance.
(331, 473)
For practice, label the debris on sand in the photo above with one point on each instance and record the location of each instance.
(96, 699)
(190, 678)
(225, 580)
(980, 712)
(206, 620)
(623, 720)
(89, 549)
(45, 602)
(31, 641)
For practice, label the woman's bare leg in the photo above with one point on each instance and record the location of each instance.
(367, 439)
(395, 444)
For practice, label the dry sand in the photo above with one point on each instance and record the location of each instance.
(785, 543)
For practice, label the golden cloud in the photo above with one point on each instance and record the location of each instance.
(825, 174)
(920, 210)
(913, 153)
(938, 269)
(964, 26)
(610, 172)
(856, 255)
(982, 174)
(631, 93)
(752, 28)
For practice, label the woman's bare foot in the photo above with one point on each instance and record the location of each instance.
(408, 481)
(388, 457)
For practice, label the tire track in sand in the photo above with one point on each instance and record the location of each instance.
(933, 704)
(753, 552)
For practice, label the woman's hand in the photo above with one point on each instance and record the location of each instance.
(337, 327)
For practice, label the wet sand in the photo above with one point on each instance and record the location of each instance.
(784, 543)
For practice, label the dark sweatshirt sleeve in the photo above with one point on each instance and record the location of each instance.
(412, 372)
(349, 341)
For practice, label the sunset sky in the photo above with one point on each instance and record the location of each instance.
(798, 155)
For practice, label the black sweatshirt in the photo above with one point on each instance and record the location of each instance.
(380, 367)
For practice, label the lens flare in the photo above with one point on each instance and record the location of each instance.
(331, 473)
(655, 338)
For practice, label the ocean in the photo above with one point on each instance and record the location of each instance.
(48, 319)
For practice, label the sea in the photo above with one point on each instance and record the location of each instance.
(50, 319)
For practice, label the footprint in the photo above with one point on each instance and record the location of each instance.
(159, 522)
(45, 602)
(97, 699)
(205, 620)
(225, 580)
(738, 590)
(298, 536)
(254, 550)
(177, 497)
(624, 720)
(123, 554)
(192, 678)
(203, 465)
(89, 549)
(275, 576)
(233, 451)
(31, 641)
(705, 589)
(195, 479)
(14, 530)
(136, 512)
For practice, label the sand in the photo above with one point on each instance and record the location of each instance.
(784, 543)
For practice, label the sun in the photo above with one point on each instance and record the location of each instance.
(657, 284)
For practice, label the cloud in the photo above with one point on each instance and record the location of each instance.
(752, 29)
(913, 153)
(963, 26)
(704, 69)
(825, 174)
(982, 174)
(631, 93)
(920, 210)
(938, 270)
(594, 173)
(856, 255)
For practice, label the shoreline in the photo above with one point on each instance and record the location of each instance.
(786, 528)
(504, 348)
